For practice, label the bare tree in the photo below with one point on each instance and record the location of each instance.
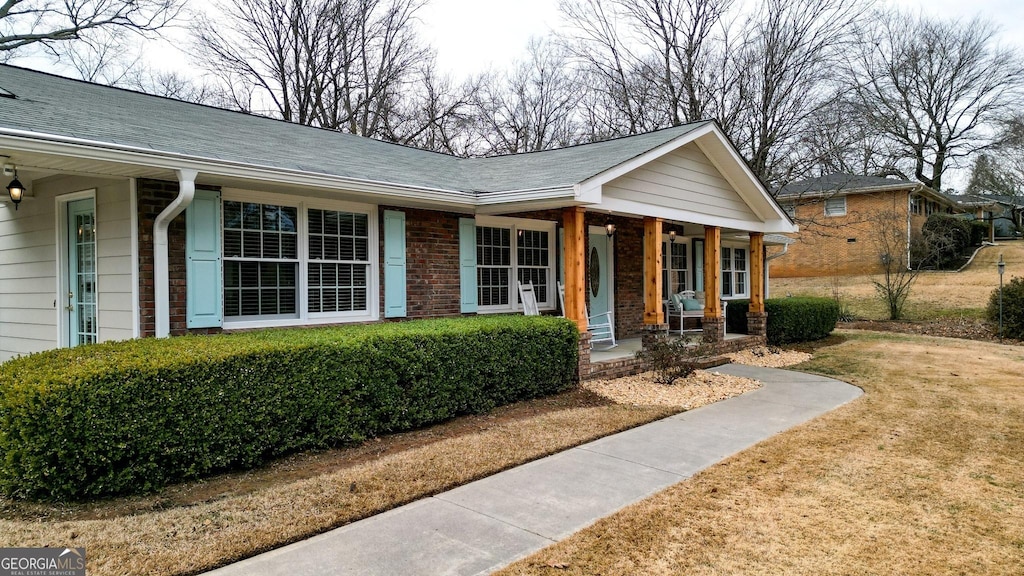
(840, 140)
(785, 65)
(533, 106)
(435, 114)
(1000, 169)
(339, 64)
(655, 63)
(889, 235)
(25, 23)
(934, 87)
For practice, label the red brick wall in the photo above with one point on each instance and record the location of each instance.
(431, 263)
(153, 197)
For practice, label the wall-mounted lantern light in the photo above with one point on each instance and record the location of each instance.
(610, 227)
(16, 190)
(672, 237)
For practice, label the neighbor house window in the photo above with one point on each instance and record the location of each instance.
(790, 209)
(915, 205)
(674, 267)
(269, 279)
(261, 260)
(734, 272)
(509, 252)
(835, 206)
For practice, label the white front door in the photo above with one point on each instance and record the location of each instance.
(81, 273)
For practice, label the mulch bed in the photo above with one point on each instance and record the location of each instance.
(963, 328)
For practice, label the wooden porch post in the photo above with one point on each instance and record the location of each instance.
(756, 272)
(757, 318)
(714, 324)
(575, 259)
(654, 314)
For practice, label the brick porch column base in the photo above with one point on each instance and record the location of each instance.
(714, 330)
(583, 366)
(652, 333)
(757, 323)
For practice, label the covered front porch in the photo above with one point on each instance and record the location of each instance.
(656, 259)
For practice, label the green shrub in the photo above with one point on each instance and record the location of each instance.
(1013, 308)
(130, 417)
(673, 358)
(946, 237)
(736, 316)
(789, 319)
(979, 232)
(800, 319)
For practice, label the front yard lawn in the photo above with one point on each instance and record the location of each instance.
(920, 476)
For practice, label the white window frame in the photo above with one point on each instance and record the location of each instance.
(61, 202)
(732, 272)
(303, 204)
(514, 225)
(667, 269)
(834, 212)
(916, 207)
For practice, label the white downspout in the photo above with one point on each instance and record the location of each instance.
(161, 281)
(910, 196)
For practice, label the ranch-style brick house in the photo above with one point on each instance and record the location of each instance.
(839, 214)
(146, 216)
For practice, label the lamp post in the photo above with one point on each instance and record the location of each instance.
(1001, 266)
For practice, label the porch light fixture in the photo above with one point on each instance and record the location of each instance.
(16, 190)
(672, 236)
(610, 227)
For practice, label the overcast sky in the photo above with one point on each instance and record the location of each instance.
(472, 35)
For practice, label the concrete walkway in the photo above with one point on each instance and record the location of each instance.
(483, 526)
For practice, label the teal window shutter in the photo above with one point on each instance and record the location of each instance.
(467, 264)
(204, 289)
(394, 264)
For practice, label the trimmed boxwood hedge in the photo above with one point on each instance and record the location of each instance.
(130, 417)
(800, 319)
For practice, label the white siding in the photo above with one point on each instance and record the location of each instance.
(28, 252)
(684, 179)
(114, 260)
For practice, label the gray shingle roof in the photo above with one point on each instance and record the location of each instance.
(69, 108)
(838, 182)
(971, 199)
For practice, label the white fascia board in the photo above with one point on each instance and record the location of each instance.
(106, 152)
(592, 186)
(530, 195)
(619, 205)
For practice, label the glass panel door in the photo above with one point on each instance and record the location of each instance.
(82, 302)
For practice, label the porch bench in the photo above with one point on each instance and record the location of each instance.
(675, 306)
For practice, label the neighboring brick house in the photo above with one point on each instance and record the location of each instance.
(840, 216)
(147, 216)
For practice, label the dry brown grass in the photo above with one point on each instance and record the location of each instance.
(198, 526)
(920, 476)
(933, 294)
